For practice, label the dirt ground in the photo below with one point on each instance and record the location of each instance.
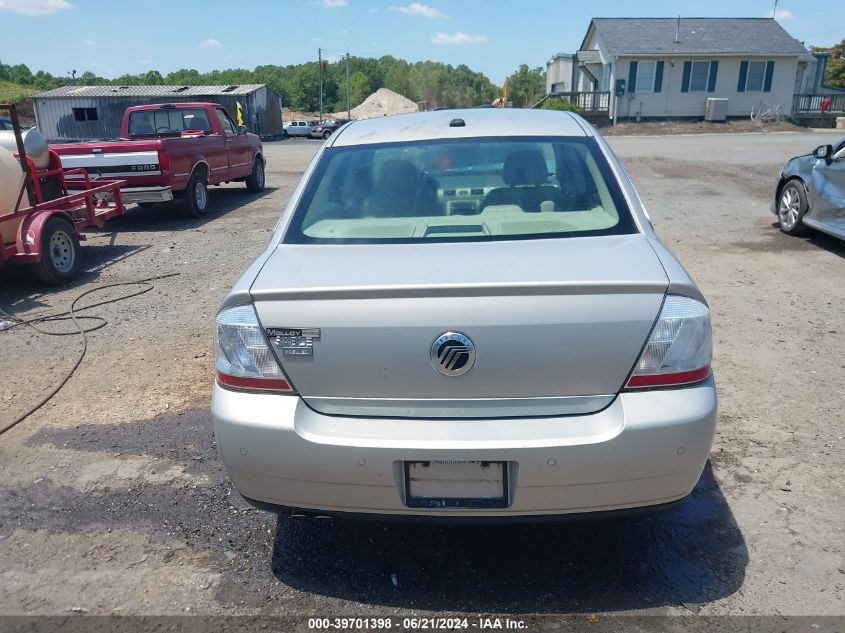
(699, 127)
(113, 499)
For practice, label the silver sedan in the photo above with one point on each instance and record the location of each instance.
(811, 192)
(464, 314)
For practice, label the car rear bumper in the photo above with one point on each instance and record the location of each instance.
(645, 449)
(146, 194)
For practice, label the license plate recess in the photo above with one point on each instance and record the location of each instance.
(456, 484)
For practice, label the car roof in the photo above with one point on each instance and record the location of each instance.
(478, 122)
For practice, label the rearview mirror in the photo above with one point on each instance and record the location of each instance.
(823, 152)
(242, 129)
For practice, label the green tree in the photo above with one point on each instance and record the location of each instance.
(359, 87)
(20, 74)
(153, 78)
(526, 86)
(835, 72)
(436, 83)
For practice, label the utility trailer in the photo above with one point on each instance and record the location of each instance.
(45, 233)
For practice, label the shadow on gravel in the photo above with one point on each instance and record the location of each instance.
(21, 291)
(780, 242)
(690, 555)
(168, 215)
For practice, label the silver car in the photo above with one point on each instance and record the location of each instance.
(811, 192)
(464, 314)
(298, 128)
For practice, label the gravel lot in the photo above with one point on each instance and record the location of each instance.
(113, 500)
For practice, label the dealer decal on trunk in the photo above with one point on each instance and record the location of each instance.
(293, 341)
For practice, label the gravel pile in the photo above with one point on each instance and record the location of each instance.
(383, 102)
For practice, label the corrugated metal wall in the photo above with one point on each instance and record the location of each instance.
(261, 111)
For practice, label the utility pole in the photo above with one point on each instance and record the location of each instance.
(348, 103)
(320, 62)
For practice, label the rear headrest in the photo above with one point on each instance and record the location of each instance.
(399, 174)
(527, 167)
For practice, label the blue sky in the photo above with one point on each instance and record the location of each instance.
(112, 37)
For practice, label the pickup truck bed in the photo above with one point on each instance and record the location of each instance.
(169, 149)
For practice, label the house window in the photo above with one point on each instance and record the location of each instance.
(85, 114)
(645, 76)
(755, 77)
(699, 76)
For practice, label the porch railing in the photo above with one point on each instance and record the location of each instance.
(590, 102)
(802, 104)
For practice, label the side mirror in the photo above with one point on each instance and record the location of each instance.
(823, 152)
(242, 129)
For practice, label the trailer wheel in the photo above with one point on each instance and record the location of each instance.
(196, 195)
(60, 254)
(255, 180)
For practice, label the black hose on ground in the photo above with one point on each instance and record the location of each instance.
(80, 330)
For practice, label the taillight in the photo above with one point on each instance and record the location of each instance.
(164, 163)
(242, 356)
(679, 348)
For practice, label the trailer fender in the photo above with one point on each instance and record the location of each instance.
(30, 230)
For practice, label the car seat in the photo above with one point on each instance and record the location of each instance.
(197, 123)
(401, 191)
(525, 173)
(143, 127)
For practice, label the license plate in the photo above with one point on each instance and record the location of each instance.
(456, 484)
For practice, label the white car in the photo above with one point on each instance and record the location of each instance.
(464, 314)
(297, 128)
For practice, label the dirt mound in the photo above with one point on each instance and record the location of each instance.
(383, 102)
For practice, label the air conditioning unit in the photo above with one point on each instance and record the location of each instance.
(716, 109)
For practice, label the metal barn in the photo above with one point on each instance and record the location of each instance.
(80, 113)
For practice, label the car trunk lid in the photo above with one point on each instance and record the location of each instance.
(557, 324)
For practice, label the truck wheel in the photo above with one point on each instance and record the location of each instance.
(285, 134)
(255, 180)
(326, 134)
(60, 254)
(196, 195)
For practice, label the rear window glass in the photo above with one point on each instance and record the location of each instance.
(464, 190)
(167, 121)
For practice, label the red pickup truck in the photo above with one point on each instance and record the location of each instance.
(173, 150)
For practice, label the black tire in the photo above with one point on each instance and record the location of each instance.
(255, 180)
(60, 253)
(326, 134)
(285, 134)
(196, 195)
(791, 207)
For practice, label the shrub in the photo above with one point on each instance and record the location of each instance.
(553, 103)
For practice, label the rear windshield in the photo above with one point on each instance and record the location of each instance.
(461, 190)
(167, 121)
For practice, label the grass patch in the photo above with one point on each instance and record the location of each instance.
(12, 93)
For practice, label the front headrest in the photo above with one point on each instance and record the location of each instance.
(398, 174)
(523, 168)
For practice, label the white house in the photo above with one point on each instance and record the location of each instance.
(659, 68)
